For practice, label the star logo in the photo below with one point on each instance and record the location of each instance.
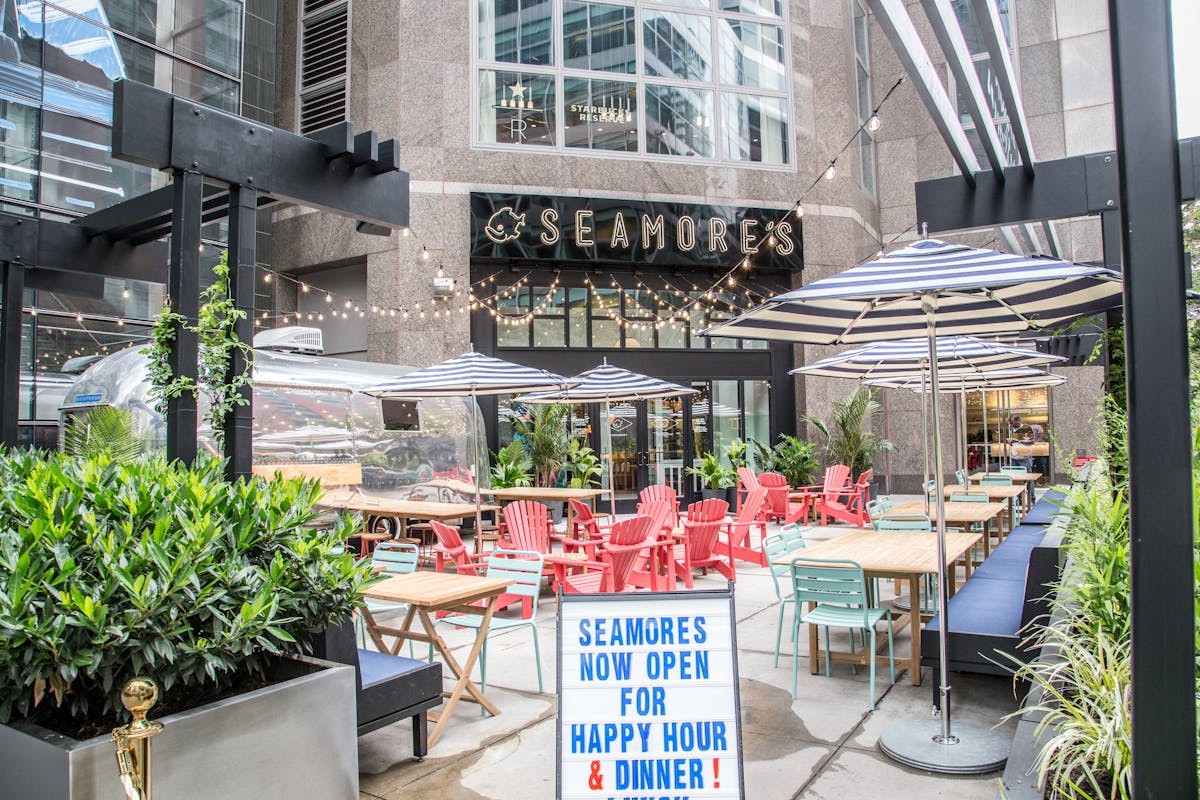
(517, 90)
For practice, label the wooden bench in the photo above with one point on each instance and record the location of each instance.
(390, 688)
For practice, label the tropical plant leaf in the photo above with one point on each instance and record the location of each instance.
(104, 429)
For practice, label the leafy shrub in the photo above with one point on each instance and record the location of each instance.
(790, 457)
(104, 428)
(848, 436)
(512, 467)
(583, 465)
(111, 569)
(713, 473)
(545, 434)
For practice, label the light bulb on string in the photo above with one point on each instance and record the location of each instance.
(347, 304)
(266, 277)
(873, 123)
(424, 253)
(831, 170)
(125, 294)
(304, 288)
(405, 232)
(732, 280)
(328, 297)
(799, 210)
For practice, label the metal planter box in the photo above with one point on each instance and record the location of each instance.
(296, 739)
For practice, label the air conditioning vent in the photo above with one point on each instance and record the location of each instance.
(291, 340)
(324, 63)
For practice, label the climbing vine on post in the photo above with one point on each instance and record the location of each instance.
(216, 329)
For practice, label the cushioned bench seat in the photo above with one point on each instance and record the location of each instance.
(989, 613)
(1043, 510)
(376, 667)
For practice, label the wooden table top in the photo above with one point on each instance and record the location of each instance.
(389, 507)
(955, 512)
(1018, 477)
(435, 589)
(564, 558)
(544, 493)
(995, 491)
(894, 553)
(1021, 450)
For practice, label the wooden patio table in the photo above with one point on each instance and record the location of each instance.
(427, 593)
(551, 494)
(1028, 479)
(906, 556)
(995, 492)
(959, 514)
(403, 510)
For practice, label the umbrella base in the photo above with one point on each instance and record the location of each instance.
(914, 744)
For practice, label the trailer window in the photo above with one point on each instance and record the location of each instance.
(401, 415)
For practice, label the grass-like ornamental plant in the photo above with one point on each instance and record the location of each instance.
(111, 569)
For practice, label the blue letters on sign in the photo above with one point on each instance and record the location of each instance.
(87, 398)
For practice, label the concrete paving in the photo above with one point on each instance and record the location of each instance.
(822, 744)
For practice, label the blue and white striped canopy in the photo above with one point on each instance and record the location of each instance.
(469, 374)
(904, 358)
(1021, 378)
(970, 291)
(606, 382)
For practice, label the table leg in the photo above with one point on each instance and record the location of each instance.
(462, 672)
(914, 625)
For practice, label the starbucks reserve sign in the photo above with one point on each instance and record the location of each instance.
(517, 226)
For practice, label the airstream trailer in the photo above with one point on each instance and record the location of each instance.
(310, 409)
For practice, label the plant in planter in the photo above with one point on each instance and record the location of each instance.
(583, 465)
(790, 457)
(112, 569)
(716, 477)
(546, 439)
(847, 432)
(736, 453)
(512, 467)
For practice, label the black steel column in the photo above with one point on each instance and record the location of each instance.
(239, 424)
(1164, 725)
(183, 286)
(12, 293)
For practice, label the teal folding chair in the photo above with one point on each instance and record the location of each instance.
(960, 475)
(1002, 479)
(1016, 469)
(524, 569)
(793, 535)
(387, 559)
(776, 547)
(839, 590)
(904, 522)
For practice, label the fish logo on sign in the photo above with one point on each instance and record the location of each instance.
(504, 226)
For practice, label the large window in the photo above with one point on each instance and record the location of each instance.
(536, 316)
(701, 79)
(987, 80)
(862, 69)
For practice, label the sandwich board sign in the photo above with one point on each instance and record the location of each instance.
(648, 705)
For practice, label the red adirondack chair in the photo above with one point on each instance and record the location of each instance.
(835, 485)
(699, 542)
(747, 481)
(587, 532)
(450, 546)
(653, 567)
(617, 558)
(738, 529)
(527, 526)
(780, 506)
(850, 506)
(661, 492)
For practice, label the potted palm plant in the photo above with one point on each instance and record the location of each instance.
(512, 467)
(847, 432)
(544, 433)
(582, 464)
(717, 479)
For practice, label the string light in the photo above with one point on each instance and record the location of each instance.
(799, 210)
(831, 170)
(424, 253)
(873, 123)
(125, 294)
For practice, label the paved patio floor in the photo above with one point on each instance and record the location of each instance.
(820, 745)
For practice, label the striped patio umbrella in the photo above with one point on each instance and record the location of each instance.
(909, 358)
(605, 384)
(929, 288)
(469, 375)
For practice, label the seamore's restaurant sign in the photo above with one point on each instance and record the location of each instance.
(667, 234)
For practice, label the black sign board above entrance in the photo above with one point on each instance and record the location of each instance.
(589, 229)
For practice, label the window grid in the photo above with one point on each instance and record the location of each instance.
(866, 104)
(718, 88)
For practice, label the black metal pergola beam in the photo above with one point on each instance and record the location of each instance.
(159, 130)
(50, 244)
(239, 426)
(1060, 189)
(1156, 348)
(147, 217)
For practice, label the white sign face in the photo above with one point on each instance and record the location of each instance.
(647, 697)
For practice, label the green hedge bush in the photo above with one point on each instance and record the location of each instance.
(111, 569)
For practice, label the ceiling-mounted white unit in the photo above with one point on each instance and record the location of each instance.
(293, 339)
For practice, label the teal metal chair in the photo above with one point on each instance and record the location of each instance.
(877, 508)
(1003, 479)
(839, 590)
(524, 569)
(387, 559)
(776, 547)
(793, 535)
(904, 522)
(1016, 469)
(960, 475)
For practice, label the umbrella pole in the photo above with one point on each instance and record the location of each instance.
(962, 427)
(478, 477)
(987, 456)
(924, 443)
(612, 488)
(930, 744)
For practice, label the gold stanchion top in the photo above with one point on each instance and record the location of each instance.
(138, 696)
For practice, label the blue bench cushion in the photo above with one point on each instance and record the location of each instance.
(378, 667)
(1043, 510)
(984, 605)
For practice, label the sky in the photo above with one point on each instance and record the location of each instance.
(1185, 18)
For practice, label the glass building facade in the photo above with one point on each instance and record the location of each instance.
(698, 79)
(58, 64)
